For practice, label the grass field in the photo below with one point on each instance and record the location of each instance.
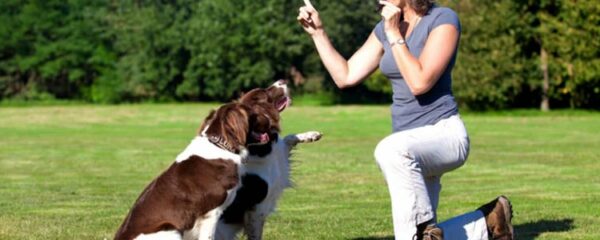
(72, 172)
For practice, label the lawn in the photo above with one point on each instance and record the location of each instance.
(72, 172)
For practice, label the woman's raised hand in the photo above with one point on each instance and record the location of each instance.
(391, 16)
(309, 18)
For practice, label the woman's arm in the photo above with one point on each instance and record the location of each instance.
(421, 74)
(353, 71)
(345, 73)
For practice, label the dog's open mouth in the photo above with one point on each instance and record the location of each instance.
(260, 138)
(283, 103)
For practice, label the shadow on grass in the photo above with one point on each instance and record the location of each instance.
(525, 231)
(529, 231)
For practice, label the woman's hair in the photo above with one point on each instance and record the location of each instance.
(421, 6)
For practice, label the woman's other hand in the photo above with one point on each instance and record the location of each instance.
(391, 16)
(309, 18)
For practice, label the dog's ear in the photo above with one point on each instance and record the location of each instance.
(231, 124)
(207, 121)
(237, 125)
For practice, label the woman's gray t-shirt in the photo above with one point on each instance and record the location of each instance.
(409, 111)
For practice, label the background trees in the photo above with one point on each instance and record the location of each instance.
(512, 53)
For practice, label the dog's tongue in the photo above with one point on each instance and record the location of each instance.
(283, 103)
(264, 137)
(261, 137)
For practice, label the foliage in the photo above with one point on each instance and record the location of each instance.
(378, 82)
(239, 45)
(182, 50)
(499, 60)
(489, 69)
(568, 30)
(49, 48)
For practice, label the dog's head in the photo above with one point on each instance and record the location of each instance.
(277, 95)
(234, 126)
(267, 103)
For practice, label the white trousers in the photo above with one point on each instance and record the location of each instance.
(412, 162)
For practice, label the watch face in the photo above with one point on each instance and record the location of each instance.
(398, 42)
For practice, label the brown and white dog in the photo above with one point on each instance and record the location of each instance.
(267, 168)
(187, 200)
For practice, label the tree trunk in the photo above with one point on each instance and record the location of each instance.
(545, 106)
(574, 96)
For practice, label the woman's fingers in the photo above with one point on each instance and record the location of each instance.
(304, 17)
(389, 5)
(309, 8)
(387, 13)
(304, 13)
(309, 4)
(389, 10)
(308, 17)
(308, 13)
(306, 24)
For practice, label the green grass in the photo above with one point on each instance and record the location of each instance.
(72, 172)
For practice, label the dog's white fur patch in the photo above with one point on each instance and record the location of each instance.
(205, 226)
(201, 147)
(162, 235)
(275, 170)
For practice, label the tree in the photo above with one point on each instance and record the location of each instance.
(570, 36)
(512, 53)
(237, 45)
(562, 35)
(46, 48)
(490, 65)
(148, 38)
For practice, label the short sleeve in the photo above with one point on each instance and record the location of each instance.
(446, 16)
(379, 32)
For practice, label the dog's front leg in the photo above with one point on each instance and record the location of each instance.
(207, 226)
(306, 137)
(254, 222)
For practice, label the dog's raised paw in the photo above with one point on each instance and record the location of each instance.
(311, 136)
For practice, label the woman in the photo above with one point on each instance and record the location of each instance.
(415, 46)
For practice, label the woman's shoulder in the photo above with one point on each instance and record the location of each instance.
(443, 15)
(437, 11)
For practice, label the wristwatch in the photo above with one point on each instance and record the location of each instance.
(400, 41)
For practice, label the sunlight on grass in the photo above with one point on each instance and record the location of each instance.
(72, 172)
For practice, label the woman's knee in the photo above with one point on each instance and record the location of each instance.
(388, 151)
(380, 151)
